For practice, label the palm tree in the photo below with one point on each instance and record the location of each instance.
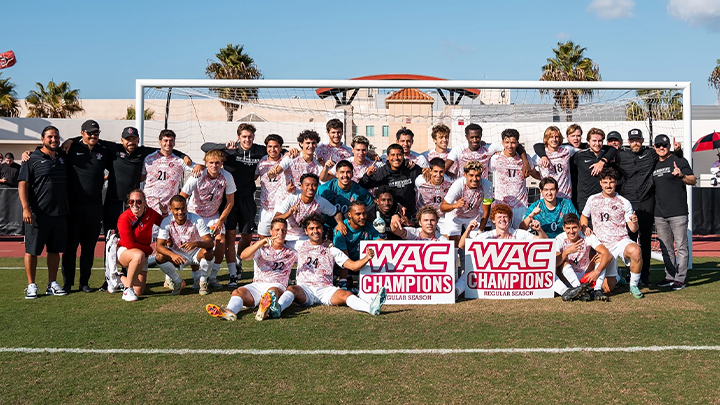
(232, 63)
(714, 79)
(570, 64)
(663, 104)
(9, 104)
(55, 101)
(148, 114)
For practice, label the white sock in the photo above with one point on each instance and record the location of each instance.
(215, 269)
(285, 300)
(358, 304)
(204, 269)
(460, 286)
(634, 279)
(169, 269)
(235, 304)
(559, 286)
(232, 269)
(600, 281)
(570, 276)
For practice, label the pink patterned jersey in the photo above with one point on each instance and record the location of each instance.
(474, 198)
(580, 260)
(318, 205)
(192, 230)
(324, 151)
(416, 234)
(560, 169)
(164, 176)
(315, 263)
(609, 217)
(510, 187)
(273, 266)
(299, 166)
(272, 190)
(462, 154)
(358, 169)
(430, 194)
(432, 154)
(206, 193)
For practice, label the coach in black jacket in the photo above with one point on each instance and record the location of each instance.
(398, 177)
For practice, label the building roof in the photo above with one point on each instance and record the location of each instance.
(330, 92)
(409, 94)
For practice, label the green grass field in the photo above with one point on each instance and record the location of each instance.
(102, 321)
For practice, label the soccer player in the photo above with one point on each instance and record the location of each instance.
(671, 176)
(427, 217)
(476, 149)
(163, 172)
(549, 210)
(610, 213)
(315, 274)
(384, 212)
(573, 248)
(273, 188)
(342, 191)
(441, 137)
(468, 198)
(361, 163)
(44, 198)
(359, 229)
(273, 262)
(335, 150)
(205, 195)
(588, 168)
(295, 207)
(510, 185)
(556, 162)
(405, 138)
(305, 162)
(432, 192)
(183, 239)
(398, 176)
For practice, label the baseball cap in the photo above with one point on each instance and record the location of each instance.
(129, 132)
(90, 126)
(662, 139)
(614, 135)
(635, 134)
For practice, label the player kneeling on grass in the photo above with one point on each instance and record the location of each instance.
(315, 273)
(610, 213)
(573, 257)
(273, 262)
(184, 239)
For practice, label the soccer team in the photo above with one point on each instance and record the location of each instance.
(319, 201)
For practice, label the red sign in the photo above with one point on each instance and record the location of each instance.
(461, 122)
(7, 59)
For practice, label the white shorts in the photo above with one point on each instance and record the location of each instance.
(258, 289)
(211, 221)
(618, 251)
(190, 257)
(120, 251)
(266, 216)
(452, 225)
(318, 295)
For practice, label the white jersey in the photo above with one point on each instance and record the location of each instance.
(474, 198)
(192, 230)
(316, 262)
(325, 151)
(359, 170)
(427, 193)
(560, 169)
(580, 260)
(510, 186)
(432, 154)
(272, 190)
(609, 218)
(520, 234)
(273, 266)
(299, 166)
(462, 154)
(416, 234)
(317, 205)
(206, 193)
(164, 176)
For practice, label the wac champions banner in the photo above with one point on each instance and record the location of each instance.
(413, 272)
(509, 269)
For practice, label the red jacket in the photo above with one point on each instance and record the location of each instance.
(141, 236)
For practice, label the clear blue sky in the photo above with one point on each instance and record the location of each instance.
(101, 48)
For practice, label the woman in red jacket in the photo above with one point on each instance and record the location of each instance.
(135, 227)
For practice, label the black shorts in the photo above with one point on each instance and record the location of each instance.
(242, 216)
(46, 231)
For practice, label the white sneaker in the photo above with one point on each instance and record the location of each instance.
(129, 295)
(204, 288)
(169, 283)
(55, 289)
(31, 291)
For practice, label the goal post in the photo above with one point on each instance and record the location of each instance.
(284, 106)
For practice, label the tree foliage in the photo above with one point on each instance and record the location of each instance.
(714, 79)
(54, 101)
(9, 103)
(233, 63)
(148, 114)
(664, 105)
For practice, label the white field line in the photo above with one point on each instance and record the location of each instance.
(382, 352)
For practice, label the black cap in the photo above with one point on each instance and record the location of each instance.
(662, 139)
(635, 134)
(90, 126)
(129, 132)
(614, 135)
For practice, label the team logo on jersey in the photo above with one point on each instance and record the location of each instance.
(614, 207)
(98, 156)
(171, 164)
(61, 160)
(122, 154)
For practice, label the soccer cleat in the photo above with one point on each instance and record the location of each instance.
(677, 286)
(585, 297)
(378, 301)
(275, 310)
(266, 301)
(31, 291)
(574, 293)
(55, 289)
(218, 312)
(212, 282)
(666, 283)
(635, 291)
(177, 288)
(204, 288)
(599, 295)
(169, 284)
(129, 295)
(232, 283)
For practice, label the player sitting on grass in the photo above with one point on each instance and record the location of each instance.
(609, 213)
(315, 274)
(427, 217)
(183, 239)
(273, 262)
(359, 229)
(573, 257)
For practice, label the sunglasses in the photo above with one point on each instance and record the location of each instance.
(136, 202)
(662, 145)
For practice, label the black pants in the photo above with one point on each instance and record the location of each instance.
(111, 212)
(645, 211)
(83, 230)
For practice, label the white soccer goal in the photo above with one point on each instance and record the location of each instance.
(199, 110)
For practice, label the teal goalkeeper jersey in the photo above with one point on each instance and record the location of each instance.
(551, 220)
